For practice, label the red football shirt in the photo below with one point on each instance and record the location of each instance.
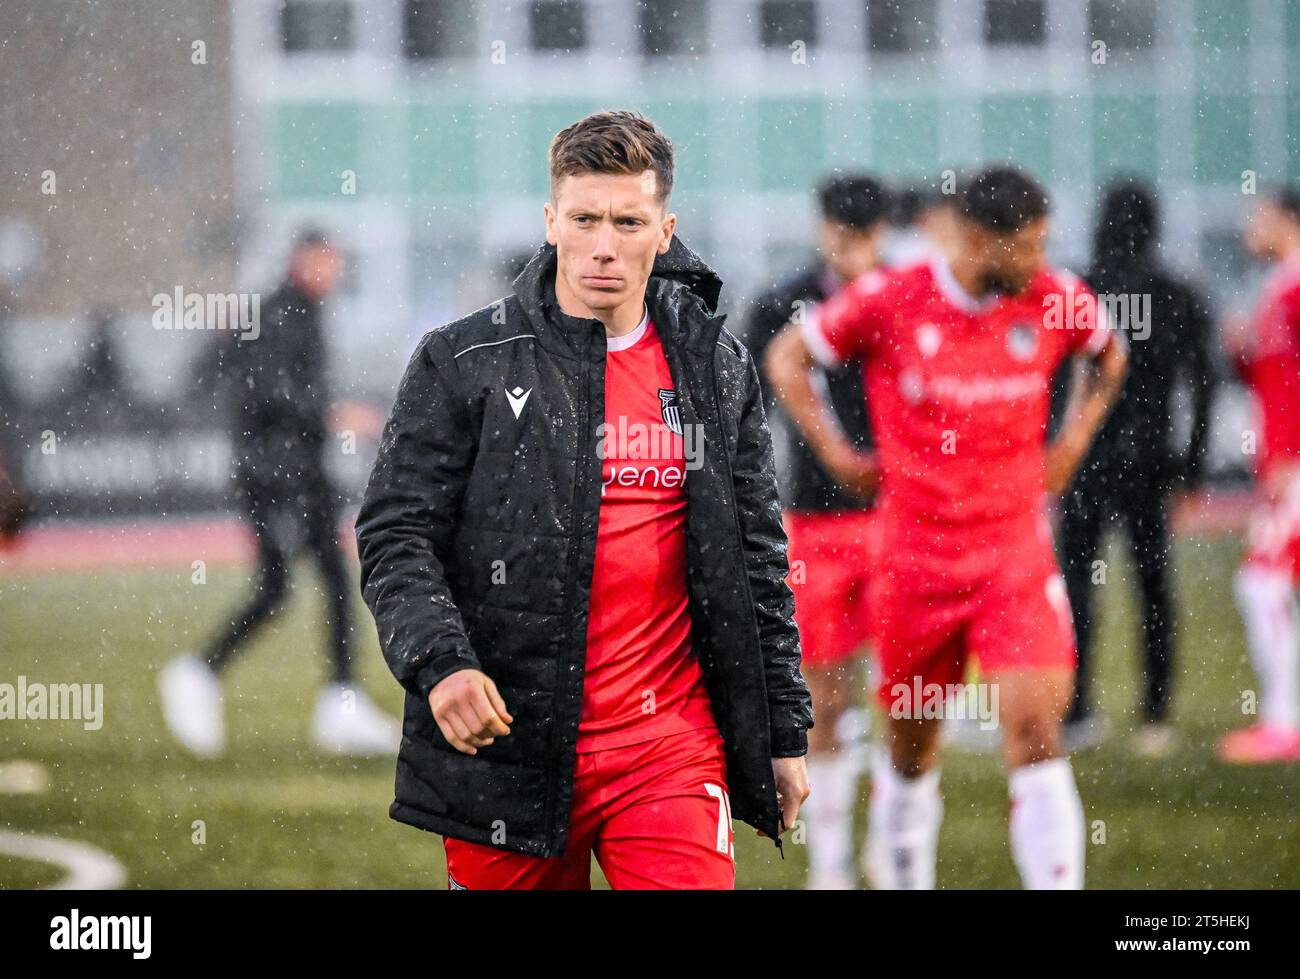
(1273, 368)
(959, 392)
(643, 679)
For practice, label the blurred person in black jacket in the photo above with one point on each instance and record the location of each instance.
(97, 395)
(1132, 468)
(276, 376)
(831, 530)
(15, 500)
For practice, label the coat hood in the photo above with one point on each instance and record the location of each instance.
(1126, 225)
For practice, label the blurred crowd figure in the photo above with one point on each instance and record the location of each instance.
(1265, 349)
(15, 501)
(88, 399)
(1132, 468)
(280, 422)
(98, 382)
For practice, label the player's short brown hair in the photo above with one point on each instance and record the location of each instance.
(613, 142)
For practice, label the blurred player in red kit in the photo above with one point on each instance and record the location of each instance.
(1267, 353)
(958, 356)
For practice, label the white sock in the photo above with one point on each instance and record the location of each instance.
(1047, 830)
(1268, 607)
(828, 813)
(903, 833)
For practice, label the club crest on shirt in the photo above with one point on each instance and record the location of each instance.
(911, 386)
(1022, 341)
(668, 407)
(928, 339)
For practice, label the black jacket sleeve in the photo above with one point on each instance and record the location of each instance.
(407, 520)
(759, 511)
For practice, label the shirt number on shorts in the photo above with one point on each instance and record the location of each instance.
(1059, 598)
(724, 843)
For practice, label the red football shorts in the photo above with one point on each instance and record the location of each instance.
(1015, 617)
(655, 814)
(831, 557)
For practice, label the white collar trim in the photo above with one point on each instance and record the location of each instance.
(952, 289)
(614, 344)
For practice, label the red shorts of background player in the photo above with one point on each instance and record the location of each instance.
(1014, 617)
(656, 815)
(1273, 532)
(831, 556)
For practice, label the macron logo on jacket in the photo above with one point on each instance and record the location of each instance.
(517, 397)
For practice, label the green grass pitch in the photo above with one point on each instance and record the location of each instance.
(277, 814)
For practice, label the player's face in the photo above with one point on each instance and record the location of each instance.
(850, 252)
(1265, 231)
(607, 229)
(316, 269)
(1008, 261)
(938, 222)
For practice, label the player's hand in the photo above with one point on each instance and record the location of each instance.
(469, 710)
(1276, 484)
(858, 472)
(791, 776)
(1183, 504)
(353, 416)
(1062, 461)
(1238, 338)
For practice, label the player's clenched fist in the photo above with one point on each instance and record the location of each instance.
(856, 471)
(469, 710)
(791, 787)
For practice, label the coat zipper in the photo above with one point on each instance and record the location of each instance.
(575, 554)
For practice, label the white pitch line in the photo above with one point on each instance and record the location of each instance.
(88, 868)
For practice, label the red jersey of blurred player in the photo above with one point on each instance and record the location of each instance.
(1270, 369)
(959, 393)
(958, 356)
(1265, 585)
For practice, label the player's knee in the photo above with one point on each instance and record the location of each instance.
(911, 767)
(822, 741)
(824, 735)
(1031, 736)
(913, 753)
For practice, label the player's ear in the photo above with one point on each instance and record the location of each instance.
(548, 209)
(669, 226)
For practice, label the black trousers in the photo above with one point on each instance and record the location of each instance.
(1138, 501)
(288, 516)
